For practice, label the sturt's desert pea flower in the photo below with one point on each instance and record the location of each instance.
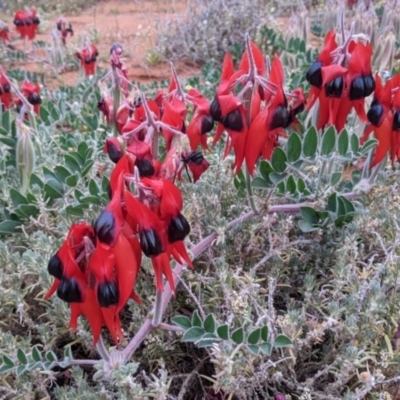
(27, 23)
(88, 57)
(384, 118)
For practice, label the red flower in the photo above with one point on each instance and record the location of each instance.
(88, 57)
(4, 33)
(196, 162)
(341, 78)
(253, 130)
(32, 93)
(384, 116)
(201, 123)
(269, 122)
(68, 265)
(97, 317)
(64, 27)
(26, 23)
(5, 91)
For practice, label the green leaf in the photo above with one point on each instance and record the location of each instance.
(82, 149)
(54, 189)
(182, 321)
(343, 142)
(354, 143)
(50, 356)
(277, 178)
(253, 349)
(90, 200)
(9, 227)
(310, 143)
(259, 183)
(193, 334)
(35, 180)
(87, 168)
(266, 348)
(8, 361)
(36, 354)
(254, 337)
(17, 198)
(348, 205)
(293, 147)
(68, 353)
(20, 370)
(301, 185)
(291, 185)
(72, 180)
(278, 160)
(282, 341)
(265, 170)
(328, 141)
(264, 333)
(309, 215)
(238, 336)
(209, 324)
(75, 210)
(335, 178)
(196, 320)
(307, 227)
(223, 332)
(22, 357)
(72, 163)
(5, 368)
(207, 340)
(93, 188)
(61, 173)
(332, 203)
(368, 145)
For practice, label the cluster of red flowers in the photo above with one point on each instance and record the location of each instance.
(341, 79)
(88, 57)
(96, 268)
(26, 23)
(384, 118)
(252, 109)
(30, 91)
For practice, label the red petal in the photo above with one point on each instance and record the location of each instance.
(360, 60)
(91, 310)
(180, 254)
(331, 72)
(227, 67)
(52, 289)
(256, 138)
(228, 103)
(126, 269)
(101, 263)
(383, 134)
(258, 60)
(161, 266)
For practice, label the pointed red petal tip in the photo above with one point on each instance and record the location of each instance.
(227, 68)
(331, 72)
(258, 59)
(360, 59)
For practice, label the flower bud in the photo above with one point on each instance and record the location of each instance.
(25, 155)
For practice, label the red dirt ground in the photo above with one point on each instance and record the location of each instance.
(127, 22)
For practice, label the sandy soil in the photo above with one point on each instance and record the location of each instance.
(127, 22)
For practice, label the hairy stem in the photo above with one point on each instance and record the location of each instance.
(101, 349)
(157, 313)
(376, 170)
(117, 99)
